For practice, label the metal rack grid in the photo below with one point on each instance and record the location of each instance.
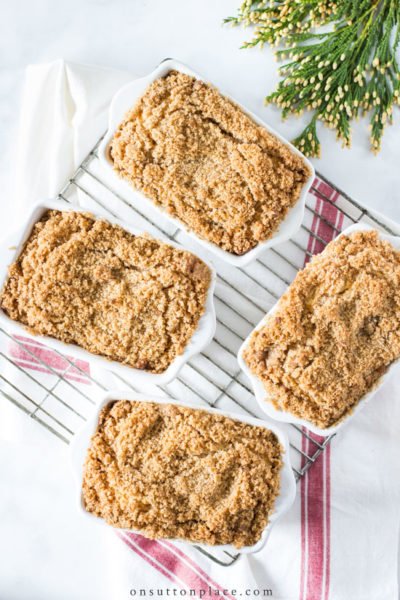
(242, 297)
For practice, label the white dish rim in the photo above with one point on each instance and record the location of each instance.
(286, 417)
(126, 97)
(283, 502)
(202, 336)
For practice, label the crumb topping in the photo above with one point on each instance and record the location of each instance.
(335, 332)
(177, 472)
(199, 156)
(84, 281)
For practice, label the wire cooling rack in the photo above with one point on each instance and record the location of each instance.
(60, 392)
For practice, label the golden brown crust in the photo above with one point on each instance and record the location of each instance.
(200, 157)
(176, 472)
(127, 298)
(335, 332)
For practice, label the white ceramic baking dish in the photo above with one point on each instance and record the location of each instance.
(200, 339)
(286, 417)
(127, 96)
(284, 501)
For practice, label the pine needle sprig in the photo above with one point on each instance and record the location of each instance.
(346, 68)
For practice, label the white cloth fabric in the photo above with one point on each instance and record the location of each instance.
(64, 111)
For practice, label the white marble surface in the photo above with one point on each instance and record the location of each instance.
(46, 551)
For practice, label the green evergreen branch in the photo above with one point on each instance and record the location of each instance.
(346, 70)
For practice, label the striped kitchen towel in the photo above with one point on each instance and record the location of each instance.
(339, 541)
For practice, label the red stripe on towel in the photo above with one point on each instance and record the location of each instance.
(31, 354)
(32, 366)
(195, 565)
(315, 485)
(328, 521)
(179, 565)
(147, 558)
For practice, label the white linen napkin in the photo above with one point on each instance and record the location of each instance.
(340, 539)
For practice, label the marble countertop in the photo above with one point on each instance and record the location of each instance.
(43, 541)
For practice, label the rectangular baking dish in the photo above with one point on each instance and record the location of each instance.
(286, 417)
(283, 502)
(127, 96)
(203, 335)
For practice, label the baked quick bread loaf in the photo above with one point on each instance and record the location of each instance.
(334, 333)
(175, 472)
(84, 281)
(196, 154)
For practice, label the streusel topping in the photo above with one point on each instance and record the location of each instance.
(335, 332)
(199, 156)
(128, 298)
(177, 472)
